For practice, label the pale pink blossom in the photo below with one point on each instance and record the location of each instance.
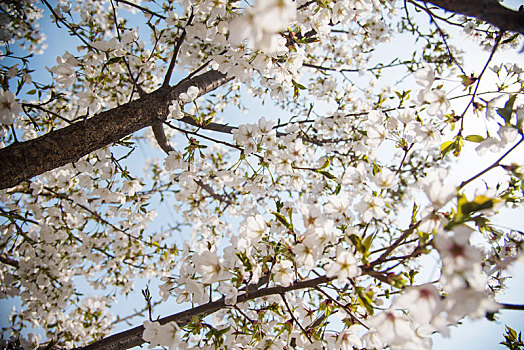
(425, 76)
(211, 267)
(190, 95)
(349, 340)
(456, 252)
(423, 302)
(385, 178)
(438, 102)
(371, 207)
(283, 273)
(344, 267)
(394, 328)
(9, 108)
(229, 291)
(261, 24)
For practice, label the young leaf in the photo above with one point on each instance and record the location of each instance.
(475, 138)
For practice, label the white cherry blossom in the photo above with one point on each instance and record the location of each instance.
(9, 108)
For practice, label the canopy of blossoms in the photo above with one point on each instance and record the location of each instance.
(305, 229)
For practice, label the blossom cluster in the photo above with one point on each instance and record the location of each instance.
(307, 227)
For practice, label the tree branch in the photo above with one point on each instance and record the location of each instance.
(133, 337)
(23, 160)
(141, 8)
(494, 165)
(212, 192)
(490, 11)
(176, 50)
(512, 306)
(160, 136)
(8, 261)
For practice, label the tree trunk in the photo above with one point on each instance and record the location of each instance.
(487, 10)
(22, 160)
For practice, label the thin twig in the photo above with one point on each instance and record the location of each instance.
(406, 151)
(176, 50)
(497, 42)
(141, 8)
(494, 165)
(9, 261)
(394, 245)
(99, 217)
(68, 26)
(377, 67)
(212, 193)
(512, 306)
(141, 91)
(295, 319)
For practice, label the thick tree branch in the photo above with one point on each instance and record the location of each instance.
(23, 160)
(490, 11)
(226, 129)
(8, 261)
(133, 337)
(160, 136)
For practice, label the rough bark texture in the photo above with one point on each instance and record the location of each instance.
(23, 160)
(487, 10)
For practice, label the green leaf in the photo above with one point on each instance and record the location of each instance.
(446, 147)
(467, 80)
(414, 213)
(366, 302)
(298, 85)
(115, 60)
(295, 92)
(475, 138)
(480, 202)
(505, 112)
(367, 243)
(326, 174)
(510, 39)
(357, 241)
(325, 165)
(282, 219)
(511, 333)
(376, 169)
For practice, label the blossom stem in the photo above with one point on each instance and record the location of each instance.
(494, 165)
(495, 46)
(345, 308)
(294, 318)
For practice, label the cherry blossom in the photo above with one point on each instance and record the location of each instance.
(210, 266)
(283, 272)
(423, 302)
(394, 328)
(9, 108)
(304, 182)
(344, 267)
(261, 23)
(190, 95)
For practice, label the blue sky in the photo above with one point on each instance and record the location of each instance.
(480, 334)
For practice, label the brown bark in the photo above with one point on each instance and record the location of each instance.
(489, 11)
(133, 337)
(23, 160)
